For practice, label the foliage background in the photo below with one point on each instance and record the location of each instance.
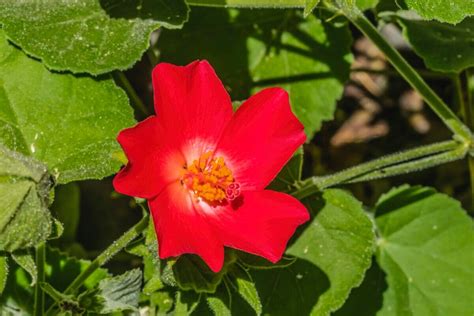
(355, 107)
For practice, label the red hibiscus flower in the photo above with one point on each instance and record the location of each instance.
(204, 169)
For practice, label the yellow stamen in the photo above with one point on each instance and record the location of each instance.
(210, 179)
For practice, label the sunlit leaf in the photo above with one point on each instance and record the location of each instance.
(94, 36)
(426, 247)
(68, 123)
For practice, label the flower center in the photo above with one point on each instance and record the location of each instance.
(210, 179)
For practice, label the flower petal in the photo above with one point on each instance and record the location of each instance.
(191, 101)
(261, 223)
(261, 138)
(153, 162)
(182, 229)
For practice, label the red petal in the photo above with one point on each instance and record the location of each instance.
(261, 138)
(182, 229)
(153, 161)
(261, 224)
(193, 103)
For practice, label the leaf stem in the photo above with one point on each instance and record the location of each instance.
(105, 256)
(409, 160)
(120, 77)
(39, 294)
(406, 70)
(390, 72)
(467, 109)
(411, 166)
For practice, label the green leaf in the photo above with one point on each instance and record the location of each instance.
(310, 59)
(366, 4)
(26, 261)
(367, 298)
(67, 209)
(162, 300)
(24, 197)
(68, 123)
(293, 290)
(443, 47)
(309, 7)
(333, 252)
(88, 36)
(185, 303)
(244, 285)
(340, 241)
(218, 307)
(453, 11)
(192, 273)
(252, 49)
(24, 219)
(114, 294)
(426, 247)
(61, 270)
(3, 272)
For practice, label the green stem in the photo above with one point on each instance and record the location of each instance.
(52, 292)
(105, 256)
(468, 113)
(124, 83)
(315, 184)
(407, 72)
(412, 166)
(393, 73)
(39, 294)
(249, 3)
(458, 96)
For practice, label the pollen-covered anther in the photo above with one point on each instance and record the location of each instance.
(210, 179)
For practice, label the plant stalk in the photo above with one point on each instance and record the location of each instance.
(407, 71)
(411, 159)
(39, 293)
(412, 166)
(105, 256)
(123, 81)
(467, 109)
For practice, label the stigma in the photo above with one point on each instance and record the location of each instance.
(210, 179)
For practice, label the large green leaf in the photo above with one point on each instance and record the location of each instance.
(24, 197)
(25, 220)
(426, 247)
(69, 123)
(94, 36)
(253, 49)
(333, 253)
(443, 47)
(452, 11)
(309, 59)
(114, 294)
